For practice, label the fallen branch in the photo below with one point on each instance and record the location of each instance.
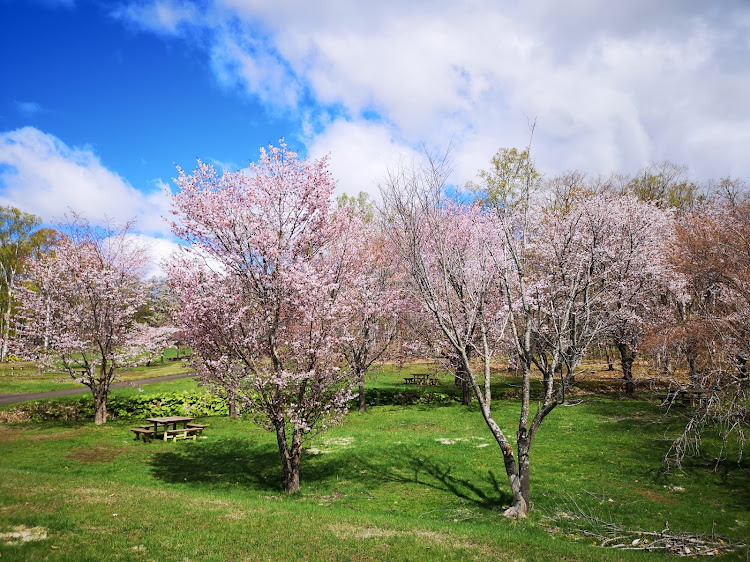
(612, 535)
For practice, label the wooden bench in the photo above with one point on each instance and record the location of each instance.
(144, 432)
(180, 434)
(685, 397)
(200, 427)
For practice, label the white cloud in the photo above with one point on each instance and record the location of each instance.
(360, 152)
(247, 63)
(162, 16)
(160, 251)
(40, 174)
(613, 86)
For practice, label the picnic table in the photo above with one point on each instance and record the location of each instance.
(421, 379)
(684, 396)
(187, 431)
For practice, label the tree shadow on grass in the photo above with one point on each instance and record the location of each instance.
(233, 461)
(222, 461)
(411, 468)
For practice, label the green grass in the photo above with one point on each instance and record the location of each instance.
(405, 483)
(24, 378)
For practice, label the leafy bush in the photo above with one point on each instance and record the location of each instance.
(14, 359)
(390, 397)
(187, 403)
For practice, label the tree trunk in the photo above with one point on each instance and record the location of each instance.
(524, 447)
(627, 358)
(465, 393)
(361, 379)
(100, 406)
(742, 366)
(290, 457)
(232, 402)
(610, 365)
(693, 370)
(47, 317)
(520, 507)
(6, 322)
(462, 378)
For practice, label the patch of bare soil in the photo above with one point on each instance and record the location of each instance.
(96, 454)
(21, 534)
(655, 497)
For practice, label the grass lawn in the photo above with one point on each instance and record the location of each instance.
(22, 378)
(401, 483)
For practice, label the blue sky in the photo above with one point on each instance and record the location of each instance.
(99, 100)
(139, 101)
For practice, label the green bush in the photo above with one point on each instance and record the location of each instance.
(390, 397)
(188, 403)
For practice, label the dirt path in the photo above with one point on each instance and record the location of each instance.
(13, 398)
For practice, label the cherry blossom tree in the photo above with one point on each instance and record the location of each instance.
(262, 290)
(513, 269)
(638, 274)
(711, 257)
(448, 250)
(375, 298)
(81, 303)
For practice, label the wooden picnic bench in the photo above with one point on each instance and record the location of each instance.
(141, 432)
(184, 433)
(683, 396)
(422, 379)
(198, 426)
(166, 428)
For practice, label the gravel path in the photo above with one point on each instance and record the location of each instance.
(13, 398)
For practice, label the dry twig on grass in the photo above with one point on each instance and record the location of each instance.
(608, 534)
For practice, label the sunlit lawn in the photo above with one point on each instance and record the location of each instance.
(400, 483)
(19, 378)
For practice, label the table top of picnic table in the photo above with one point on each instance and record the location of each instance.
(170, 419)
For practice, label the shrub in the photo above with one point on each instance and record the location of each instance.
(390, 397)
(186, 403)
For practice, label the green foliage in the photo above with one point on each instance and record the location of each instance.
(360, 204)
(665, 184)
(187, 403)
(396, 397)
(511, 177)
(14, 359)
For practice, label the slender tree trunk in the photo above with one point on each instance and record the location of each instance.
(627, 358)
(6, 322)
(232, 402)
(465, 390)
(99, 385)
(100, 405)
(742, 366)
(361, 380)
(47, 316)
(524, 448)
(693, 369)
(461, 377)
(610, 365)
(290, 457)
(520, 506)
